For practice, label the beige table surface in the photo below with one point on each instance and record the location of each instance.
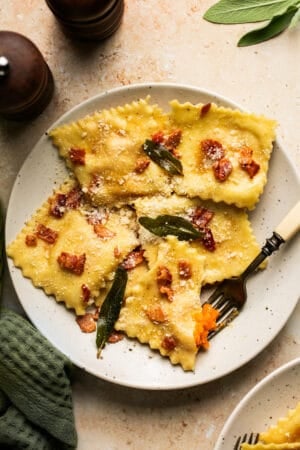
(159, 41)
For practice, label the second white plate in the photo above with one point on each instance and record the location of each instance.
(128, 362)
(263, 405)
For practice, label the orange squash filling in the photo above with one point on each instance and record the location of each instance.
(205, 322)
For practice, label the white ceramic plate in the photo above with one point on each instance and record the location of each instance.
(269, 400)
(273, 293)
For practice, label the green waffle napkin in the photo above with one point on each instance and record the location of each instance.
(36, 410)
(1, 246)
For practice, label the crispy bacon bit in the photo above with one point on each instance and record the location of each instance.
(117, 252)
(222, 169)
(74, 198)
(156, 314)
(72, 263)
(212, 149)
(158, 137)
(103, 232)
(208, 240)
(86, 293)
(133, 259)
(31, 240)
(61, 202)
(46, 234)
(164, 281)
(246, 155)
(77, 156)
(115, 337)
(201, 217)
(170, 141)
(251, 168)
(184, 269)
(58, 205)
(168, 292)
(173, 139)
(247, 162)
(86, 323)
(204, 110)
(141, 164)
(164, 276)
(169, 342)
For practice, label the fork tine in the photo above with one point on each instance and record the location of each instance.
(225, 320)
(215, 295)
(244, 438)
(251, 439)
(237, 444)
(255, 437)
(218, 302)
(227, 316)
(224, 307)
(241, 440)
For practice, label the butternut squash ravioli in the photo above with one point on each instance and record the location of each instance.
(202, 163)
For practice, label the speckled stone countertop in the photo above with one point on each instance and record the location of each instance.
(159, 41)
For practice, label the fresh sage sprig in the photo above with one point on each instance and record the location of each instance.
(281, 14)
(166, 224)
(110, 308)
(276, 26)
(161, 156)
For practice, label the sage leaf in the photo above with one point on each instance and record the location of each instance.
(161, 156)
(246, 11)
(110, 308)
(276, 26)
(166, 224)
(296, 19)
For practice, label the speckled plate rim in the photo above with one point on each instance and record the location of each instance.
(263, 405)
(129, 363)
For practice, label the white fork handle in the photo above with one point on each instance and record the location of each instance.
(290, 224)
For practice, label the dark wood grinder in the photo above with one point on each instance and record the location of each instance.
(26, 83)
(88, 19)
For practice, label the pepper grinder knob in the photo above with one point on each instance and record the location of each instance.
(26, 82)
(4, 66)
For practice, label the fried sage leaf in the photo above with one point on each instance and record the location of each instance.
(110, 308)
(166, 224)
(161, 156)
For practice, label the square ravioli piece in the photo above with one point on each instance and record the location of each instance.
(228, 243)
(287, 429)
(104, 150)
(224, 153)
(162, 304)
(284, 435)
(261, 446)
(70, 249)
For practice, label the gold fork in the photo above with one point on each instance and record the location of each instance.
(231, 295)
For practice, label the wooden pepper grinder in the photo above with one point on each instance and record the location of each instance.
(26, 83)
(88, 19)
